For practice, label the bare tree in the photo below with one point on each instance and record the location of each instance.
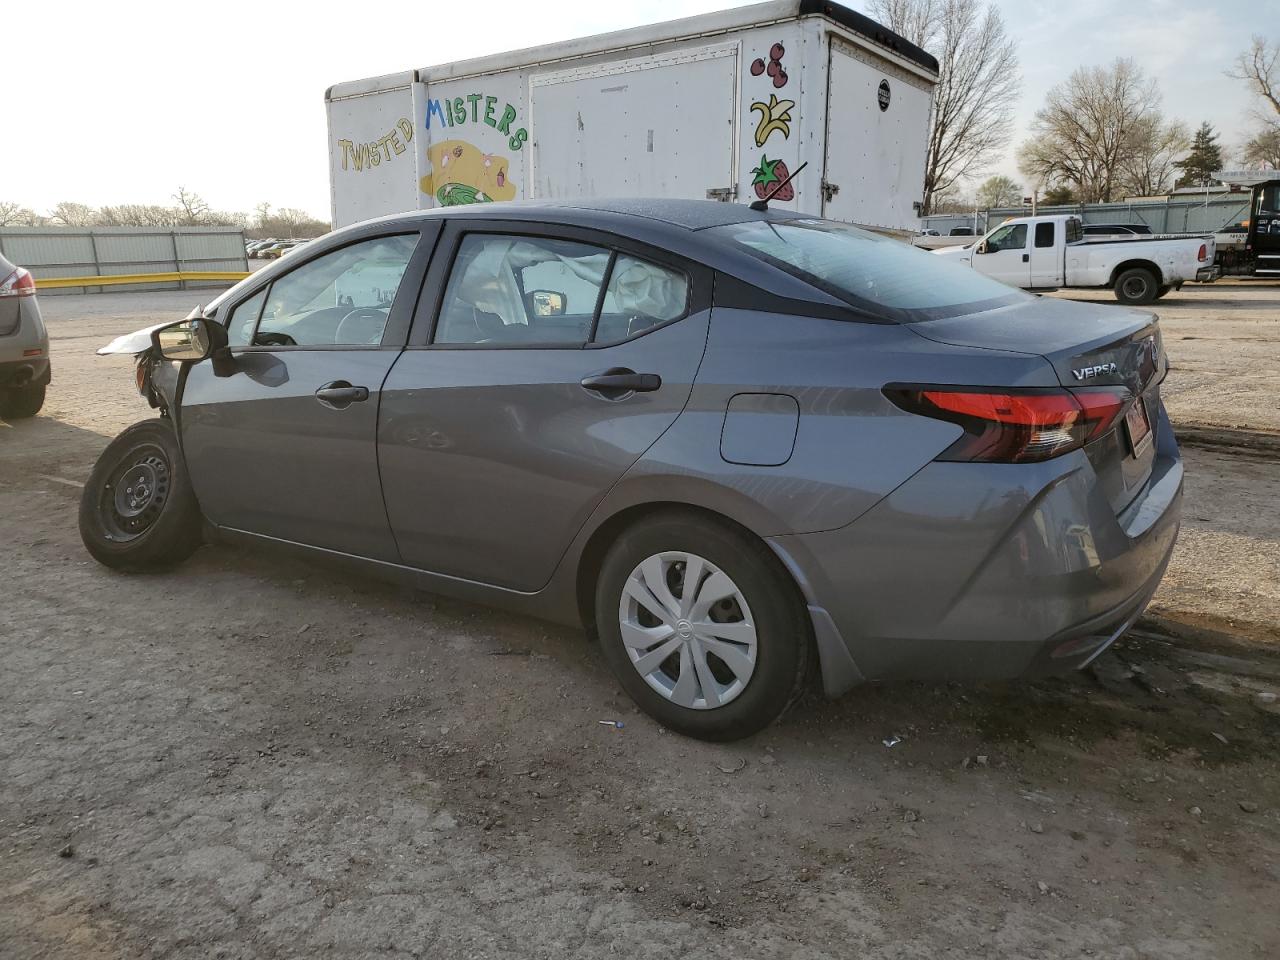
(1260, 69)
(1263, 150)
(14, 214)
(1088, 128)
(192, 209)
(978, 83)
(1149, 165)
(70, 214)
(138, 215)
(999, 191)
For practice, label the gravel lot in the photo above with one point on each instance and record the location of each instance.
(256, 758)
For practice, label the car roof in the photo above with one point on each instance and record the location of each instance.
(664, 224)
(608, 213)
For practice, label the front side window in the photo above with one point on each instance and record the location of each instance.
(244, 318)
(1012, 236)
(882, 276)
(342, 298)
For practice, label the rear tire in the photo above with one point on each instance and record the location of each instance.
(1137, 286)
(744, 607)
(19, 403)
(138, 511)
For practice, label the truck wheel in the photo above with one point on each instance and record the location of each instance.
(1137, 285)
(138, 511)
(18, 403)
(702, 626)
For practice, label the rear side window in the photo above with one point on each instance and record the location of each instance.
(510, 291)
(882, 276)
(1044, 234)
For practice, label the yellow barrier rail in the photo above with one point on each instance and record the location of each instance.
(51, 283)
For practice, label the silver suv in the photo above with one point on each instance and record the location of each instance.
(24, 345)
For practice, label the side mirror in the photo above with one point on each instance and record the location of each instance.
(548, 303)
(982, 248)
(190, 340)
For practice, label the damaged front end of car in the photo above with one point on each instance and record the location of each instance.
(155, 377)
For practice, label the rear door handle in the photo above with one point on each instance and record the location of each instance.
(623, 381)
(340, 394)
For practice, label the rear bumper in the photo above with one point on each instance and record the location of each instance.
(31, 371)
(996, 571)
(1208, 274)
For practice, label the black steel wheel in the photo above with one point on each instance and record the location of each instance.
(138, 511)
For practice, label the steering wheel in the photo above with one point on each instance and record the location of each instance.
(366, 326)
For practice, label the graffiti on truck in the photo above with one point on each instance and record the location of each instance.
(460, 172)
(475, 109)
(373, 153)
(768, 176)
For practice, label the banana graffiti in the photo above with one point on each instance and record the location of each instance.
(775, 116)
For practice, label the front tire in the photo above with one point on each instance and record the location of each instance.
(1137, 286)
(702, 626)
(19, 403)
(138, 511)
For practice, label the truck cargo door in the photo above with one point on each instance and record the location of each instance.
(662, 126)
(877, 135)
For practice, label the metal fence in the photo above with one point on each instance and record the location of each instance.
(1162, 216)
(85, 252)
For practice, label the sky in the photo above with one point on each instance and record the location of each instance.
(124, 102)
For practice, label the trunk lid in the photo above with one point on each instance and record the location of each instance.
(1088, 345)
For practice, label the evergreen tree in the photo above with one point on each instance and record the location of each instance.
(1205, 158)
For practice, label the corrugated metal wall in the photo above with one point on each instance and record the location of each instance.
(113, 251)
(1174, 216)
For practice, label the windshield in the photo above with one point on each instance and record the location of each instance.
(876, 274)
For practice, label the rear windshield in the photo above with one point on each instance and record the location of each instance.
(884, 277)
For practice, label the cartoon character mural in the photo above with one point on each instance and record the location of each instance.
(463, 173)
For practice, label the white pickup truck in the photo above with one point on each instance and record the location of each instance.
(1045, 253)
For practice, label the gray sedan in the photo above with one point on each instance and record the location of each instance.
(732, 444)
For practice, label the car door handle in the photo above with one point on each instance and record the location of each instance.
(340, 394)
(1026, 258)
(623, 381)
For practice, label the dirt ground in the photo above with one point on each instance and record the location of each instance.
(256, 758)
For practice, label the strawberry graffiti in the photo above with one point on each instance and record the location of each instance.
(768, 175)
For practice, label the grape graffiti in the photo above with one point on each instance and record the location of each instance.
(773, 68)
(460, 172)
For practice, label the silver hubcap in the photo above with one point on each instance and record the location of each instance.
(688, 630)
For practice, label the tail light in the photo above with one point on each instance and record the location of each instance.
(1016, 426)
(1204, 253)
(20, 283)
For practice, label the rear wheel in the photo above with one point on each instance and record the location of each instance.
(18, 403)
(1137, 285)
(702, 626)
(138, 511)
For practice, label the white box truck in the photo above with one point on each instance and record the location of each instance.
(724, 106)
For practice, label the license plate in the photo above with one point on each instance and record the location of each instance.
(1137, 426)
